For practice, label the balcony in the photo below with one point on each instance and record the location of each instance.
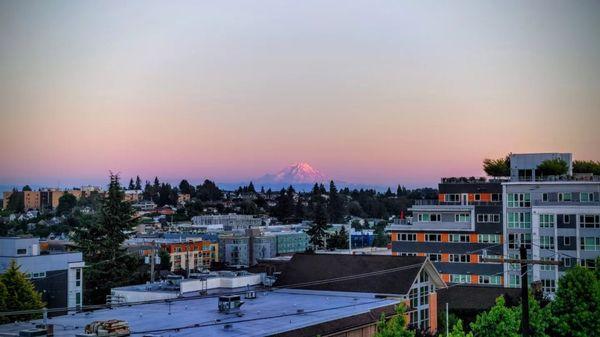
(435, 202)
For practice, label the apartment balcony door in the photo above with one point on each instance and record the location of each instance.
(464, 199)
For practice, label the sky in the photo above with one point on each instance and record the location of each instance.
(379, 92)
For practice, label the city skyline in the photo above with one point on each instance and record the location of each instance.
(368, 94)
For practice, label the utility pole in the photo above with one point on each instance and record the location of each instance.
(524, 292)
(152, 261)
(524, 262)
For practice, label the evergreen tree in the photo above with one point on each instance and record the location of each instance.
(318, 230)
(26, 188)
(131, 185)
(138, 183)
(185, 187)
(18, 293)
(336, 204)
(388, 193)
(165, 260)
(251, 188)
(100, 240)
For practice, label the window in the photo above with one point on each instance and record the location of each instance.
(515, 281)
(21, 251)
(566, 262)
(477, 197)
(547, 220)
(434, 257)
(489, 238)
(566, 196)
(36, 275)
(519, 200)
(496, 197)
(566, 218)
(590, 243)
(459, 238)
(545, 197)
(414, 297)
(407, 237)
(589, 221)
(433, 237)
(460, 278)
(566, 240)
(519, 220)
(548, 286)
(546, 242)
(547, 267)
(451, 197)
(588, 263)
(487, 279)
(407, 254)
(488, 218)
(459, 258)
(586, 197)
(423, 277)
(78, 277)
(488, 256)
(516, 239)
(427, 217)
(462, 217)
(78, 298)
(514, 266)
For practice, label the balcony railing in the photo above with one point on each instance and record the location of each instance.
(432, 202)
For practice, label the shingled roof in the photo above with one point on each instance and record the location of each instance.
(471, 297)
(319, 267)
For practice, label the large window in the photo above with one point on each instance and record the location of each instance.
(462, 217)
(459, 238)
(459, 258)
(548, 286)
(434, 257)
(516, 239)
(547, 267)
(586, 197)
(489, 279)
(590, 243)
(429, 217)
(514, 281)
(519, 220)
(493, 218)
(566, 196)
(589, 221)
(460, 278)
(433, 237)
(519, 200)
(407, 237)
(547, 220)
(452, 197)
(546, 242)
(489, 238)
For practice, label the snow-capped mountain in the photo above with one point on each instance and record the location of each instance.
(299, 173)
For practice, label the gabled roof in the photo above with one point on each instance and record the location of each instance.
(380, 274)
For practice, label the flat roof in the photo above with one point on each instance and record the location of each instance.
(270, 313)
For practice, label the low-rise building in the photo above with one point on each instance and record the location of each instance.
(192, 256)
(57, 275)
(229, 221)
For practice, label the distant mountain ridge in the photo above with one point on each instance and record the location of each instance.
(298, 173)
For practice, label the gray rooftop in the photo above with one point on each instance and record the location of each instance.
(270, 313)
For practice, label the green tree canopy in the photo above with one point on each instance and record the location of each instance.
(586, 166)
(395, 326)
(26, 188)
(66, 203)
(576, 306)
(553, 167)
(497, 167)
(18, 293)
(500, 320)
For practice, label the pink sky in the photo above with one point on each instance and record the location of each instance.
(396, 93)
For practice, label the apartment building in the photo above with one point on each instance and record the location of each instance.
(229, 221)
(192, 256)
(456, 231)
(42, 199)
(556, 218)
(57, 275)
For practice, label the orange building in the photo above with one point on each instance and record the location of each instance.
(192, 255)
